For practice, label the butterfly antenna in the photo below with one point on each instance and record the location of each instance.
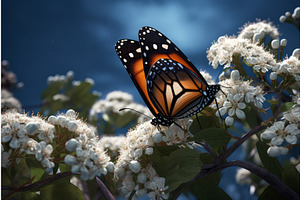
(135, 111)
(218, 75)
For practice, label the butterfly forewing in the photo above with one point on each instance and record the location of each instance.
(129, 52)
(155, 46)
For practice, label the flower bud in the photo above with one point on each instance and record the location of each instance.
(110, 167)
(296, 53)
(32, 128)
(134, 166)
(52, 120)
(283, 42)
(282, 18)
(70, 160)
(71, 145)
(275, 44)
(296, 13)
(72, 126)
(70, 113)
(149, 151)
(235, 75)
(273, 76)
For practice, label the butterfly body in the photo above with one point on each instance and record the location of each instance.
(168, 82)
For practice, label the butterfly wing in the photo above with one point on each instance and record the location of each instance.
(155, 46)
(175, 90)
(129, 52)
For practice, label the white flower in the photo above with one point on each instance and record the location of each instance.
(278, 133)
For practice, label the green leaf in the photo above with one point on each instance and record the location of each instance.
(205, 122)
(291, 178)
(207, 188)
(30, 196)
(286, 106)
(36, 169)
(61, 189)
(180, 166)
(270, 193)
(215, 137)
(270, 163)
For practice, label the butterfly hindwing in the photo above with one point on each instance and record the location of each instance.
(175, 90)
(129, 52)
(155, 46)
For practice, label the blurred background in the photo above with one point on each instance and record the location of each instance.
(44, 38)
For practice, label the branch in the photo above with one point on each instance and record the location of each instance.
(106, 193)
(37, 184)
(238, 143)
(272, 179)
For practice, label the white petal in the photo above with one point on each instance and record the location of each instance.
(240, 114)
(274, 151)
(231, 112)
(292, 139)
(277, 141)
(241, 105)
(229, 121)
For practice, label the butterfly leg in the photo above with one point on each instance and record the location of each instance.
(178, 126)
(198, 122)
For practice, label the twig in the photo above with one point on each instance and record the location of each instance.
(106, 193)
(243, 139)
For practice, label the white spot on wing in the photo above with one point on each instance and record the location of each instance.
(124, 60)
(154, 46)
(165, 46)
(139, 50)
(131, 55)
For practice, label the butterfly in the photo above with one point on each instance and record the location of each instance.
(170, 85)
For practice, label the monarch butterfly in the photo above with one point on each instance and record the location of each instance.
(168, 82)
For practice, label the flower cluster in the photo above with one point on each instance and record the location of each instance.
(113, 102)
(289, 66)
(284, 131)
(238, 94)
(258, 31)
(21, 134)
(226, 49)
(87, 155)
(134, 158)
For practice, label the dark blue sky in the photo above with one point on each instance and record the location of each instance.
(42, 38)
